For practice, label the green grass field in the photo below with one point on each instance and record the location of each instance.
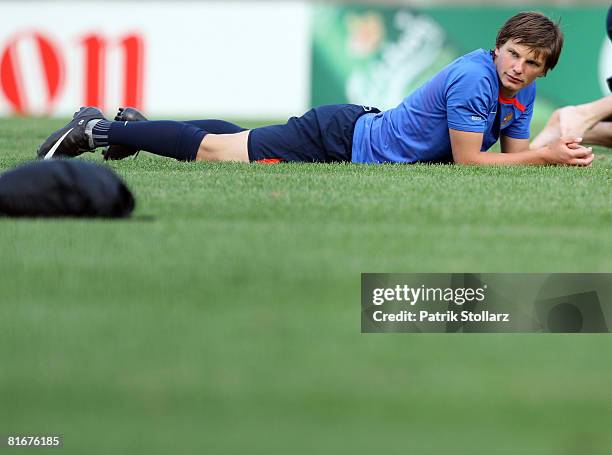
(224, 317)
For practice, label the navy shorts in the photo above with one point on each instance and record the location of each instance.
(323, 134)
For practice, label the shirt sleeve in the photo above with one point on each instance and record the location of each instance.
(520, 128)
(468, 97)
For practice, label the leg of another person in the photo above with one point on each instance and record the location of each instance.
(573, 121)
(600, 134)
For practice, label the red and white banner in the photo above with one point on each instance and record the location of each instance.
(234, 59)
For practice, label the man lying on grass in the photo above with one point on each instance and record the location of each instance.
(480, 98)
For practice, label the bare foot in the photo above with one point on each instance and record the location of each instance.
(575, 121)
(550, 133)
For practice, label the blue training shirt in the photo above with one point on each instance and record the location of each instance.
(463, 96)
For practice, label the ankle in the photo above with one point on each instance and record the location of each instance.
(97, 132)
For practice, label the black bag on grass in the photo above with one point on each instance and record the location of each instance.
(64, 188)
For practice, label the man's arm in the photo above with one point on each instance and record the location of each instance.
(511, 145)
(568, 151)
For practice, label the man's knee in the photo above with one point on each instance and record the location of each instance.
(224, 147)
(556, 115)
(206, 150)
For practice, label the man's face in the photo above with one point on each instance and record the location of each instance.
(517, 67)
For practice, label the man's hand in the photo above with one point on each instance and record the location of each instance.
(565, 151)
(568, 151)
